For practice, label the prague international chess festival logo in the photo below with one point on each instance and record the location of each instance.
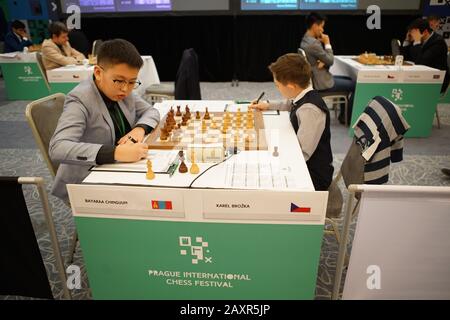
(28, 70)
(397, 94)
(199, 251)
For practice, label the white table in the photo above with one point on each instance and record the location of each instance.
(261, 243)
(65, 78)
(415, 89)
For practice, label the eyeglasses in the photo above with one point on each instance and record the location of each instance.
(121, 83)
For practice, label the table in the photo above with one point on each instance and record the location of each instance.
(170, 238)
(24, 79)
(64, 79)
(415, 89)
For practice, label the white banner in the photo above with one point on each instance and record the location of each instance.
(401, 248)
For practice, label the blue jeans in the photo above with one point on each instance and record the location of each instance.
(344, 84)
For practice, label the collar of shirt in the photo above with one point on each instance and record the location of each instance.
(302, 94)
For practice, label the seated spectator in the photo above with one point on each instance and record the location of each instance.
(56, 51)
(17, 39)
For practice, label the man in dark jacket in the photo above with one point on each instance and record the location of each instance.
(426, 47)
(16, 39)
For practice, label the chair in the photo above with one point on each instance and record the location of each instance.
(95, 46)
(157, 91)
(301, 52)
(41, 66)
(352, 172)
(187, 83)
(395, 48)
(353, 166)
(23, 272)
(336, 99)
(42, 116)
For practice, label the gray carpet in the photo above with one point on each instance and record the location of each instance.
(19, 157)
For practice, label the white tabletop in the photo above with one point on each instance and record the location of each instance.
(290, 163)
(348, 66)
(18, 57)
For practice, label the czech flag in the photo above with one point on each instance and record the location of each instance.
(295, 208)
(161, 205)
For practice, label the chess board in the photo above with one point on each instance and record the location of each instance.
(199, 131)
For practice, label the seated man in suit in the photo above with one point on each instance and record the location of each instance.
(103, 120)
(425, 47)
(319, 53)
(56, 51)
(16, 39)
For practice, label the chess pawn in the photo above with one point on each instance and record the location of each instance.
(183, 168)
(150, 174)
(206, 116)
(178, 114)
(194, 167)
(164, 134)
(275, 152)
(213, 125)
(197, 115)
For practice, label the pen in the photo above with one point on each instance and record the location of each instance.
(173, 167)
(260, 96)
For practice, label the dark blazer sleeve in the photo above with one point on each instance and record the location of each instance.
(431, 55)
(13, 44)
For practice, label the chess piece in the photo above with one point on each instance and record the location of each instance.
(213, 125)
(197, 115)
(150, 174)
(164, 134)
(183, 168)
(207, 116)
(194, 167)
(178, 114)
(275, 152)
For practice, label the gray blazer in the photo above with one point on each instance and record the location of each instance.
(84, 126)
(321, 78)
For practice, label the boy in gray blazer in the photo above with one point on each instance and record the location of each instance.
(103, 120)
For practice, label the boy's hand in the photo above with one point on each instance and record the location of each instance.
(261, 106)
(135, 135)
(130, 152)
(320, 64)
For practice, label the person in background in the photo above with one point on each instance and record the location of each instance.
(434, 22)
(17, 38)
(309, 115)
(56, 51)
(319, 52)
(425, 47)
(103, 120)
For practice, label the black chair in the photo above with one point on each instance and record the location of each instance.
(395, 48)
(187, 83)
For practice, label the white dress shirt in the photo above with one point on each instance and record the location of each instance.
(311, 122)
